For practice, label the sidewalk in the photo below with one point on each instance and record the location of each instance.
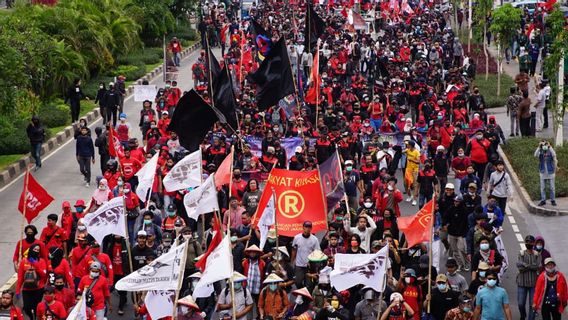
(512, 69)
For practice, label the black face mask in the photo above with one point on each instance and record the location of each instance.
(529, 246)
(32, 254)
(237, 176)
(30, 237)
(59, 286)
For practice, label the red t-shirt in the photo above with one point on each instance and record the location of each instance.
(57, 309)
(66, 296)
(130, 166)
(100, 290)
(53, 237)
(25, 246)
(117, 259)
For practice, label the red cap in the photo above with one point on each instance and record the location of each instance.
(66, 204)
(80, 203)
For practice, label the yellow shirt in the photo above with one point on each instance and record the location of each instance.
(412, 160)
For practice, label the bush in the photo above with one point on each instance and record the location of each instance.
(13, 137)
(520, 152)
(54, 114)
(146, 55)
(131, 72)
(91, 87)
(184, 32)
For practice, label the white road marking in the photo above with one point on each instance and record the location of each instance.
(511, 219)
(515, 228)
(520, 239)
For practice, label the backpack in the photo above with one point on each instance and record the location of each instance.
(31, 279)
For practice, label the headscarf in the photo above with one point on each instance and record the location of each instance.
(55, 256)
(101, 196)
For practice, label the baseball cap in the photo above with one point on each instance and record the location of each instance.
(142, 233)
(307, 224)
(441, 278)
(450, 186)
(549, 260)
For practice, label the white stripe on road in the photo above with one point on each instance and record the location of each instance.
(520, 239)
(515, 228)
(511, 219)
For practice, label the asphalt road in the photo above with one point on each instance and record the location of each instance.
(61, 177)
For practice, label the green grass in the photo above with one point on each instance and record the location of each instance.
(7, 160)
(86, 107)
(151, 67)
(488, 89)
(520, 152)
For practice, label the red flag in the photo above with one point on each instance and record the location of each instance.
(529, 30)
(548, 5)
(217, 238)
(36, 199)
(418, 228)
(299, 198)
(223, 173)
(115, 149)
(312, 96)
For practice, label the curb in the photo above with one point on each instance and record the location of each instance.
(524, 195)
(19, 166)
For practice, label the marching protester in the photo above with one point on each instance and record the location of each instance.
(285, 201)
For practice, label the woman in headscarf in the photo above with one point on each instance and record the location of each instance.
(56, 265)
(101, 195)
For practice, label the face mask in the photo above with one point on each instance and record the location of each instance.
(354, 244)
(234, 239)
(238, 285)
(33, 254)
(29, 237)
(171, 213)
(479, 137)
(408, 280)
(299, 300)
(166, 243)
(335, 304)
(147, 222)
(441, 286)
(120, 183)
(348, 169)
(368, 205)
(529, 246)
(79, 209)
(102, 188)
(484, 246)
(482, 274)
(461, 154)
(538, 247)
(237, 176)
(544, 148)
(492, 282)
(126, 190)
(273, 286)
(94, 274)
(184, 309)
(81, 228)
(186, 236)
(59, 286)
(48, 299)
(466, 309)
(550, 270)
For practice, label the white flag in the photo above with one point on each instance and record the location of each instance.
(185, 174)
(202, 199)
(219, 266)
(146, 177)
(160, 303)
(161, 274)
(267, 220)
(370, 272)
(501, 248)
(79, 311)
(108, 219)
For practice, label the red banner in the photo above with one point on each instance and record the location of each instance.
(114, 147)
(418, 228)
(36, 199)
(299, 198)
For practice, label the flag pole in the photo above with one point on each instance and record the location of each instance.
(128, 250)
(322, 197)
(254, 216)
(209, 81)
(343, 180)
(180, 280)
(22, 224)
(275, 225)
(231, 173)
(381, 296)
(430, 254)
(316, 83)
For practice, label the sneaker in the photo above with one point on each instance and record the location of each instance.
(408, 199)
(87, 185)
(512, 135)
(553, 203)
(413, 202)
(542, 203)
(120, 312)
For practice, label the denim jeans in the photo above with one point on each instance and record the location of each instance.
(515, 124)
(376, 124)
(177, 58)
(522, 293)
(543, 188)
(36, 153)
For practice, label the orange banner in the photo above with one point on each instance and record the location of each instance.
(299, 198)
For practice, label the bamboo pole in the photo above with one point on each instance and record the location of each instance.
(22, 224)
(180, 279)
(128, 250)
(430, 254)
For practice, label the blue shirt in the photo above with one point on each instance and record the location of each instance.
(351, 180)
(491, 301)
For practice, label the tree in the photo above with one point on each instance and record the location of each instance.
(482, 15)
(555, 70)
(506, 21)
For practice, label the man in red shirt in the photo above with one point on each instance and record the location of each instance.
(129, 168)
(62, 293)
(95, 255)
(136, 152)
(238, 186)
(30, 232)
(97, 285)
(50, 308)
(54, 236)
(77, 254)
(7, 307)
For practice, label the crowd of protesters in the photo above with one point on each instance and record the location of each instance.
(399, 105)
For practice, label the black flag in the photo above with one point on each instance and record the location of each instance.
(192, 119)
(224, 98)
(212, 67)
(313, 29)
(262, 38)
(273, 78)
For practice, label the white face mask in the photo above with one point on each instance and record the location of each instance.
(102, 188)
(187, 236)
(368, 205)
(407, 280)
(299, 300)
(126, 190)
(94, 274)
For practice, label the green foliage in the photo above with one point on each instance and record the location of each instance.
(154, 16)
(506, 20)
(92, 86)
(184, 31)
(131, 72)
(520, 152)
(14, 138)
(54, 114)
(146, 55)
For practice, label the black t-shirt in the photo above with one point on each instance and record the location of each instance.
(442, 302)
(139, 256)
